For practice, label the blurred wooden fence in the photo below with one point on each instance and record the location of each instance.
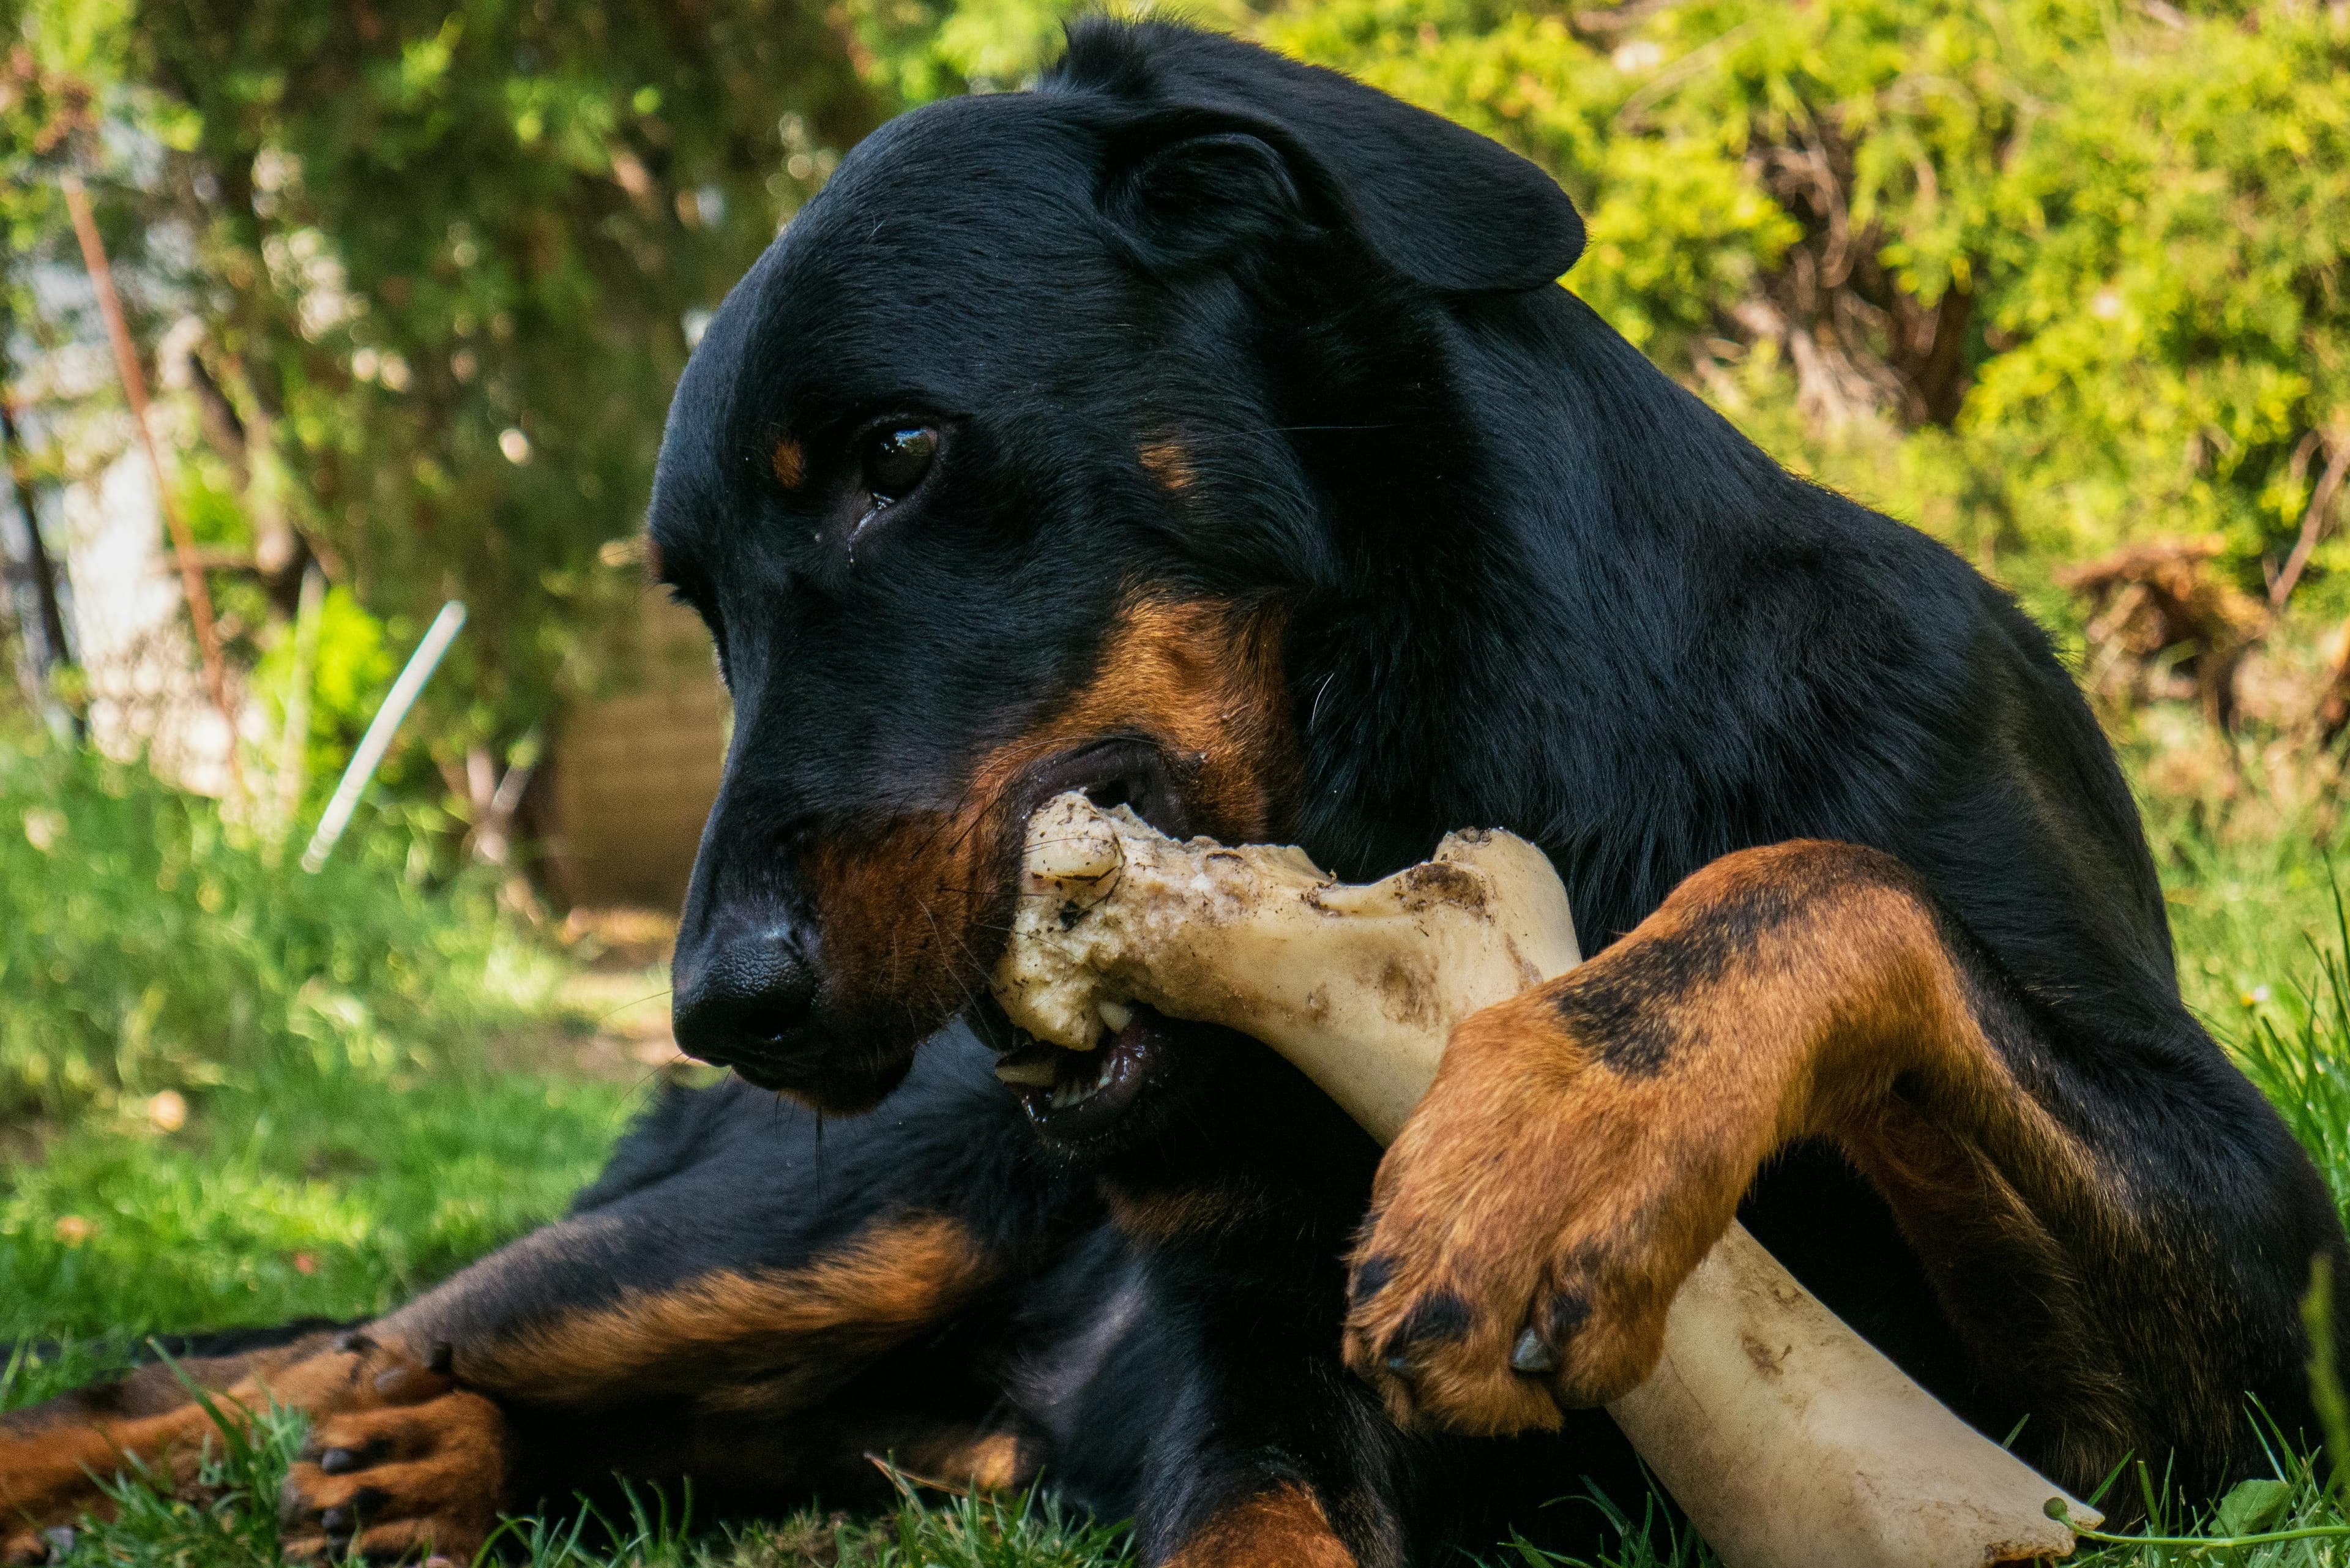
(635, 775)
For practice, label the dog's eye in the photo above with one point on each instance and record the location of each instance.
(896, 460)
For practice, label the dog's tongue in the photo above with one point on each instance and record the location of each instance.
(1032, 1066)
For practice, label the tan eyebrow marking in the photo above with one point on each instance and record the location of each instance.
(790, 463)
(1170, 464)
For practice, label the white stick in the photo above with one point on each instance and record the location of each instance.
(1790, 1440)
(378, 739)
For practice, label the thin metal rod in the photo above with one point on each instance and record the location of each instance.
(378, 739)
(134, 390)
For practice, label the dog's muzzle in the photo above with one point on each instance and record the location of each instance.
(744, 993)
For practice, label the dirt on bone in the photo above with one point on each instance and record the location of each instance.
(1357, 985)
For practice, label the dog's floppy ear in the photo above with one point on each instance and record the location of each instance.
(1186, 190)
(1250, 130)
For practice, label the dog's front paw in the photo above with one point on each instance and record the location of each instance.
(45, 1487)
(400, 1483)
(1529, 1227)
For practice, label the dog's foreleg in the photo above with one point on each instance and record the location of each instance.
(1585, 1144)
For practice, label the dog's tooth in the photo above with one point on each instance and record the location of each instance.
(1069, 1092)
(1115, 1014)
(1084, 857)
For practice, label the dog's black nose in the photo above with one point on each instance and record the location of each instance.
(742, 995)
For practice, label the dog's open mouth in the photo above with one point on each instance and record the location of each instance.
(1076, 1095)
(1117, 770)
(1080, 1097)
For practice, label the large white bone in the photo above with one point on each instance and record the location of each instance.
(1791, 1442)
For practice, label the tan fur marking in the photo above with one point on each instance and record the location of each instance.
(987, 1461)
(767, 1341)
(910, 913)
(1203, 678)
(155, 1390)
(1285, 1528)
(789, 461)
(1171, 1216)
(46, 1481)
(1799, 990)
(435, 1473)
(1167, 461)
(46, 1477)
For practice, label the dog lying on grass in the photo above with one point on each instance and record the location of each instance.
(1205, 432)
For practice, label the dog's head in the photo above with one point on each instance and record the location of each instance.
(1001, 474)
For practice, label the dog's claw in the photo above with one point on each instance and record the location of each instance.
(1532, 1356)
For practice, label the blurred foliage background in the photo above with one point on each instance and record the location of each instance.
(426, 273)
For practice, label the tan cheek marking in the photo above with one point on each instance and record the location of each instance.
(904, 913)
(790, 463)
(910, 913)
(1203, 678)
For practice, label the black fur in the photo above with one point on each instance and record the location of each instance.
(1526, 581)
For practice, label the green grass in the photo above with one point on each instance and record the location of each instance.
(325, 1194)
(233, 1092)
(371, 1099)
(151, 1528)
(147, 944)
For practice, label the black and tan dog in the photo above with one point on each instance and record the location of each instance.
(1206, 431)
